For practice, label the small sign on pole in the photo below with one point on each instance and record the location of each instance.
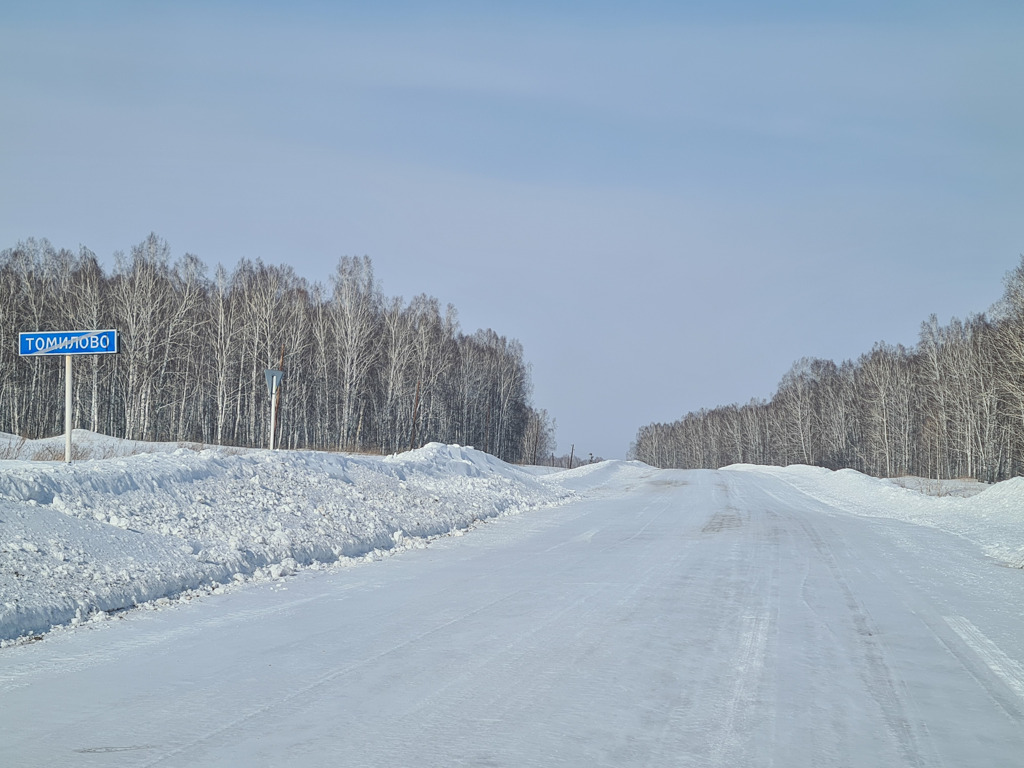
(273, 384)
(67, 343)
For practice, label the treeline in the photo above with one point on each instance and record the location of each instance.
(361, 371)
(951, 406)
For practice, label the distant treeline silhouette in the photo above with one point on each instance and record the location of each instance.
(952, 406)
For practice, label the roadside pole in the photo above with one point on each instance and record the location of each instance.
(273, 414)
(67, 409)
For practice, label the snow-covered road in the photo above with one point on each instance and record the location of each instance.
(668, 618)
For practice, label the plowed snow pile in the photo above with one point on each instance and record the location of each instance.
(992, 517)
(100, 535)
(144, 524)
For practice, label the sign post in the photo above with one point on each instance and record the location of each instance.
(273, 383)
(67, 409)
(67, 343)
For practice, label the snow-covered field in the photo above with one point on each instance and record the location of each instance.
(144, 523)
(155, 522)
(614, 615)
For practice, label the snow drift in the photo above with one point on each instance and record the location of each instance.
(991, 516)
(105, 534)
(143, 524)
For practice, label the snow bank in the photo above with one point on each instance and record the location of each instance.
(109, 533)
(613, 473)
(86, 445)
(993, 517)
(142, 523)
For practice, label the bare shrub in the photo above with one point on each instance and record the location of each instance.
(56, 453)
(12, 450)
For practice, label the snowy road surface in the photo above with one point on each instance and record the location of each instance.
(683, 618)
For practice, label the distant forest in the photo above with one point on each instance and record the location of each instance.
(951, 406)
(362, 372)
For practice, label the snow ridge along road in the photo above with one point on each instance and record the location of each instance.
(698, 618)
(80, 541)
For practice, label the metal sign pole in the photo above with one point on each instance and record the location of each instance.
(273, 384)
(273, 414)
(67, 408)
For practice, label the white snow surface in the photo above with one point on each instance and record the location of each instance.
(990, 516)
(80, 540)
(150, 522)
(626, 616)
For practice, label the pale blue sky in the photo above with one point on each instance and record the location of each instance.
(667, 203)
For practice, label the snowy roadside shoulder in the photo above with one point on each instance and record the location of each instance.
(79, 541)
(611, 476)
(992, 518)
(86, 445)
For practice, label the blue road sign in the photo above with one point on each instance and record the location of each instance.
(67, 343)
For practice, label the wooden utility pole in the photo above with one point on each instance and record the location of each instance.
(487, 428)
(277, 397)
(415, 416)
(572, 452)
